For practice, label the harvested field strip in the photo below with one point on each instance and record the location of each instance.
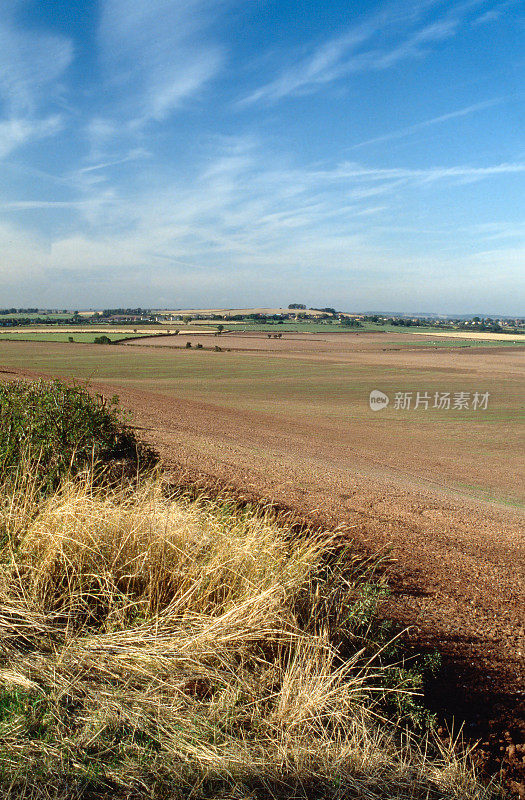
(481, 335)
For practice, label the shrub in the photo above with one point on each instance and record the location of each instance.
(188, 345)
(102, 340)
(199, 346)
(50, 429)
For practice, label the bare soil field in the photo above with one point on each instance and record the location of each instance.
(439, 491)
(336, 345)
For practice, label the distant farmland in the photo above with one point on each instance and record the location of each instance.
(64, 334)
(303, 383)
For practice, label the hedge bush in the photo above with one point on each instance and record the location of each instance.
(51, 429)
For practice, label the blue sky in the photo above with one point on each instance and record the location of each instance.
(191, 153)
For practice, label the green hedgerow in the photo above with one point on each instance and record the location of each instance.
(52, 429)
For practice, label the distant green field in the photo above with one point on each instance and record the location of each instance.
(336, 328)
(323, 327)
(252, 325)
(86, 336)
(50, 317)
(60, 336)
(307, 327)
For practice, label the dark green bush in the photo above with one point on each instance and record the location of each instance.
(102, 340)
(50, 429)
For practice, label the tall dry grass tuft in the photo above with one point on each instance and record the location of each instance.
(181, 649)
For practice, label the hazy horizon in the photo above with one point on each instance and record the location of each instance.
(195, 154)
(202, 308)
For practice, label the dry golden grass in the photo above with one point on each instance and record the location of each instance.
(155, 648)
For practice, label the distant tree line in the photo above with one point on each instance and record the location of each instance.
(125, 312)
(18, 310)
(406, 323)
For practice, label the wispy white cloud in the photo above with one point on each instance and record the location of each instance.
(158, 52)
(17, 131)
(493, 14)
(29, 205)
(133, 155)
(414, 45)
(428, 123)
(487, 16)
(499, 230)
(347, 54)
(358, 172)
(29, 63)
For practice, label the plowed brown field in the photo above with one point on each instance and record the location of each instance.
(288, 420)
